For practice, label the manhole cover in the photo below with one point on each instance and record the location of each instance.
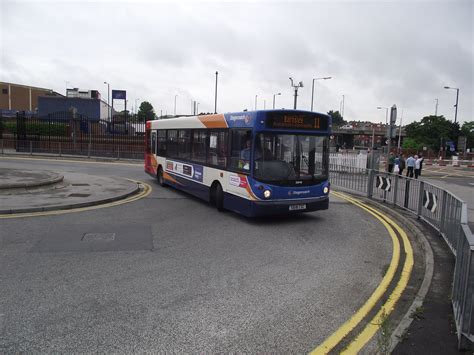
(79, 195)
(92, 237)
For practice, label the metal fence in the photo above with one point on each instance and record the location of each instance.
(70, 133)
(445, 212)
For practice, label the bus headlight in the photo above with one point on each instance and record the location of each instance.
(267, 194)
(326, 190)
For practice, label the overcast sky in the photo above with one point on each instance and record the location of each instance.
(378, 53)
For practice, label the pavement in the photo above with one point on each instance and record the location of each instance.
(430, 327)
(26, 191)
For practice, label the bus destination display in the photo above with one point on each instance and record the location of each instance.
(297, 121)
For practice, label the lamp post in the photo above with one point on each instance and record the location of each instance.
(274, 99)
(256, 102)
(136, 105)
(197, 109)
(436, 107)
(386, 113)
(296, 87)
(175, 96)
(456, 106)
(108, 99)
(312, 88)
(215, 102)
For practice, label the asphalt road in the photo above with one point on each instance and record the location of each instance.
(170, 273)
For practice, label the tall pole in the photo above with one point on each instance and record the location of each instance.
(400, 132)
(342, 108)
(256, 102)
(456, 106)
(136, 105)
(436, 107)
(215, 102)
(312, 88)
(274, 99)
(296, 86)
(456, 112)
(175, 96)
(108, 100)
(264, 104)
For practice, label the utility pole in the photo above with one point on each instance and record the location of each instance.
(215, 100)
(436, 107)
(393, 119)
(296, 87)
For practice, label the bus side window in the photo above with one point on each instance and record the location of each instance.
(161, 143)
(218, 144)
(184, 143)
(172, 143)
(199, 146)
(239, 140)
(153, 142)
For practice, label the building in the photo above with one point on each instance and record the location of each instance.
(16, 97)
(87, 103)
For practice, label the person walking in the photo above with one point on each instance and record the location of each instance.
(402, 164)
(417, 166)
(421, 164)
(410, 166)
(391, 162)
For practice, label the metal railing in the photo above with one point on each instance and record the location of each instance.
(442, 210)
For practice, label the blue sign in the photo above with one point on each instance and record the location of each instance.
(119, 95)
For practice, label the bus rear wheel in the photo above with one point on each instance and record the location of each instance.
(161, 180)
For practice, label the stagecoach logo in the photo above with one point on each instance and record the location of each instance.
(245, 118)
(297, 193)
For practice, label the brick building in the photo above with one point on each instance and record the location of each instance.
(16, 97)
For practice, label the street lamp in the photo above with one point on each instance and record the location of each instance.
(297, 86)
(175, 96)
(215, 102)
(108, 99)
(136, 105)
(197, 109)
(274, 99)
(456, 106)
(256, 102)
(386, 113)
(312, 88)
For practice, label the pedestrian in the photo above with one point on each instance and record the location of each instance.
(402, 164)
(396, 167)
(418, 161)
(410, 166)
(421, 163)
(391, 162)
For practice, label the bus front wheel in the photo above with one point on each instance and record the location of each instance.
(161, 180)
(219, 197)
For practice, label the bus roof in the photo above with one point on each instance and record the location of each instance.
(247, 119)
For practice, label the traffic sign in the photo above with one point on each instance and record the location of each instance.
(430, 201)
(383, 183)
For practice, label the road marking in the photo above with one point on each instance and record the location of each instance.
(374, 325)
(146, 191)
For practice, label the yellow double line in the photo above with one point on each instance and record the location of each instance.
(375, 323)
(144, 193)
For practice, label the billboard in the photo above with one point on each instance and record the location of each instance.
(119, 95)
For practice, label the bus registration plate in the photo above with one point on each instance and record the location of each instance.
(297, 207)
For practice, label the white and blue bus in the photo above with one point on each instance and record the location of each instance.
(254, 163)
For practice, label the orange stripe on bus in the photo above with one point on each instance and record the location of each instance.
(213, 121)
(249, 190)
(167, 176)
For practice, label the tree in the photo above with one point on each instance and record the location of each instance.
(146, 112)
(467, 130)
(337, 119)
(433, 132)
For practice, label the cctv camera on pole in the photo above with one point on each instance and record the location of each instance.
(297, 86)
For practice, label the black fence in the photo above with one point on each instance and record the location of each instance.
(70, 133)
